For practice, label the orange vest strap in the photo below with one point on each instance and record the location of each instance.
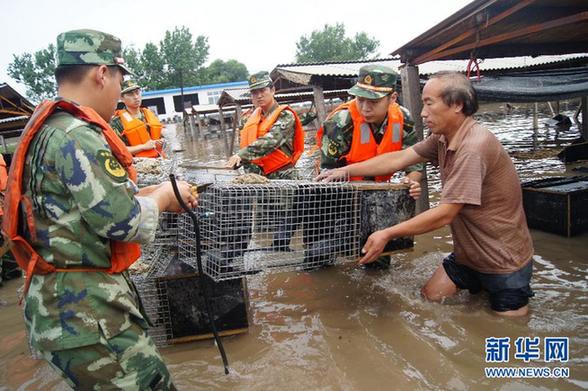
(363, 144)
(26, 256)
(257, 126)
(136, 131)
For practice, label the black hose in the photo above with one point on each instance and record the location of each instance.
(201, 276)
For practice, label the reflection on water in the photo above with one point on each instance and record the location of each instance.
(343, 328)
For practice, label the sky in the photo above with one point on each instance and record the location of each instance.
(259, 33)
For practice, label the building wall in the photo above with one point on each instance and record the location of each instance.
(206, 94)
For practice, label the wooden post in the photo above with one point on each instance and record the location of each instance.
(411, 98)
(235, 127)
(319, 103)
(199, 133)
(585, 117)
(223, 131)
(550, 106)
(535, 117)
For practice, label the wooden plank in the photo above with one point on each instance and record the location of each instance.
(192, 338)
(536, 28)
(585, 118)
(495, 19)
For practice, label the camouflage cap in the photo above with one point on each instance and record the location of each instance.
(89, 47)
(374, 82)
(128, 86)
(260, 80)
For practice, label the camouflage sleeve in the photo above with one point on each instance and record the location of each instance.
(282, 133)
(307, 118)
(116, 125)
(409, 138)
(101, 189)
(336, 142)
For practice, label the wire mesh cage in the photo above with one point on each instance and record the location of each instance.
(146, 274)
(172, 296)
(281, 225)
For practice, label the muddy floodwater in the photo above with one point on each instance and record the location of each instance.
(344, 328)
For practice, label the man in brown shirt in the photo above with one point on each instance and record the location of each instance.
(480, 199)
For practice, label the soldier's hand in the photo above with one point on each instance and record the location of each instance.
(149, 145)
(187, 194)
(234, 161)
(337, 174)
(415, 188)
(374, 246)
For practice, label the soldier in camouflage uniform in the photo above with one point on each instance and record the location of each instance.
(280, 136)
(88, 325)
(374, 93)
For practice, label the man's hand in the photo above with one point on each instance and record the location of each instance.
(167, 201)
(415, 188)
(374, 246)
(151, 144)
(233, 162)
(335, 175)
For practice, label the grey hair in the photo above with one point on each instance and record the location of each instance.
(457, 89)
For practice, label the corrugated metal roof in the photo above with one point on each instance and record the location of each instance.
(242, 96)
(334, 69)
(496, 64)
(301, 73)
(13, 119)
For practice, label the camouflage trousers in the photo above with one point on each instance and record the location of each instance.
(128, 361)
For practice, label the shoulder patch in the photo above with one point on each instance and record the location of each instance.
(111, 166)
(332, 148)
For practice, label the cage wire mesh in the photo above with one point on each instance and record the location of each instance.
(281, 225)
(146, 274)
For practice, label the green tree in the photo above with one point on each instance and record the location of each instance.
(153, 66)
(183, 57)
(36, 72)
(331, 44)
(220, 71)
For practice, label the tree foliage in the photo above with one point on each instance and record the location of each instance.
(36, 72)
(331, 44)
(220, 71)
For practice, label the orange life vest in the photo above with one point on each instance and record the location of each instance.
(3, 178)
(3, 173)
(122, 254)
(363, 144)
(139, 132)
(256, 127)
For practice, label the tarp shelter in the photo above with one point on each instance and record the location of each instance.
(534, 86)
(15, 111)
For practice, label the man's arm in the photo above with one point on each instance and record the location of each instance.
(427, 221)
(385, 164)
(336, 141)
